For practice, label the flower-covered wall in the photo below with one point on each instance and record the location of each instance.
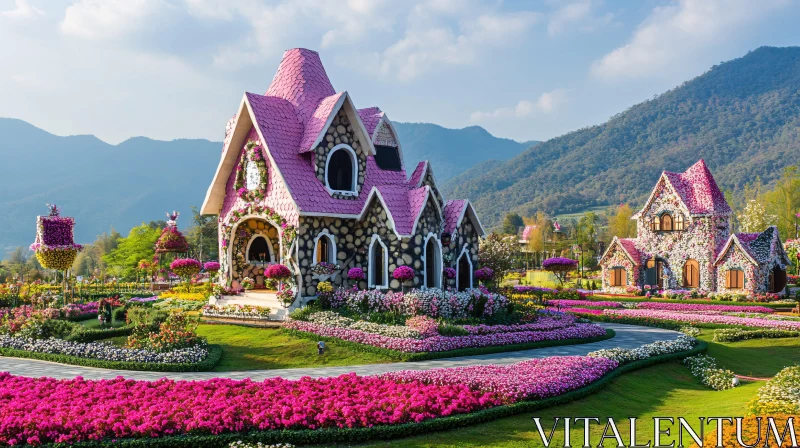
(240, 265)
(465, 236)
(736, 259)
(616, 258)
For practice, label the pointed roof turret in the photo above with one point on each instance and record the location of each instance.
(699, 191)
(301, 80)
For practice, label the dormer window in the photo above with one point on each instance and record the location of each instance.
(666, 223)
(655, 224)
(680, 223)
(341, 170)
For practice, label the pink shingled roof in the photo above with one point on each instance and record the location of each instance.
(416, 176)
(699, 191)
(317, 121)
(629, 247)
(453, 210)
(396, 199)
(370, 116)
(302, 81)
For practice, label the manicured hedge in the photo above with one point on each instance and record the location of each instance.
(329, 436)
(96, 334)
(214, 355)
(408, 357)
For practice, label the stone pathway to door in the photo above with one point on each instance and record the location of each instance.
(627, 336)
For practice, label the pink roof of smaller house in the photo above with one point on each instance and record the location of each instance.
(699, 191)
(629, 247)
(453, 211)
(416, 177)
(370, 116)
(318, 120)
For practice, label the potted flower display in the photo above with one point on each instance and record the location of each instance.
(403, 274)
(356, 274)
(324, 271)
(248, 283)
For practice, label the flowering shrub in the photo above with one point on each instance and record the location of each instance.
(278, 272)
(211, 266)
(171, 240)
(121, 408)
(403, 273)
(103, 350)
(324, 287)
(236, 311)
(705, 368)
(449, 273)
(285, 295)
(248, 283)
(445, 343)
(335, 320)
(185, 267)
(781, 394)
(560, 266)
(424, 325)
(179, 304)
(705, 318)
(693, 308)
(626, 355)
(356, 274)
(527, 380)
(688, 330)
(484, 273)
(176, 332)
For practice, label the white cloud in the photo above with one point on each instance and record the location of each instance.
(579, 14)
(107, 18)
(23, 10)
(675, 33)
(548, 102)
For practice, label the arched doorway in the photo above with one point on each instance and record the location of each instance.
(777, 279)
(464, 271)
(433, 263)
(259, 250)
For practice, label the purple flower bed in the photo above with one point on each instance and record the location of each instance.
(143, 299)
(579, 310)
(716, 308)
(444, 343)
(533, 289)
(583, 303)
(527, 380)
(706, 318)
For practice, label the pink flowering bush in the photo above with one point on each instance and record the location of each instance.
(403, 273)
(278, 272)
(527, 380)
(484, 273)
(211, 266)
(578, 310)
(716, 308)
(705, 318)
(584, 303)
(449, 273)
(185, 267)
(356, 274)
(544, 323)
(45, 410)
(424, 325)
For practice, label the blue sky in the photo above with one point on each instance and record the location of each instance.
(527, 70)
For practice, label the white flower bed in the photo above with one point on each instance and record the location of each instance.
(237, 312)
(626, 355)
(332, 319)
(706, 368)
(104, 351)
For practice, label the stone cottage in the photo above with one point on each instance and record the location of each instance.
(684, 241)
(306, 179)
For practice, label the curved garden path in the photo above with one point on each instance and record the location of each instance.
(627, 336)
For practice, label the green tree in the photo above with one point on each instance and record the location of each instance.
(18, 263)
(511, 223)
(620, 223)
(138, 245)
(497, 252)
(783, 202)
(202, 236)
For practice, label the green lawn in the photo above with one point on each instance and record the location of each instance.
(755, 357)
(94, 323)
(250, 348)
(666, 390)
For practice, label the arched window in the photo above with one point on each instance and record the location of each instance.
(433, 263)
(464, 270)
(259, 251)
(680, 223)
(691, 274)
(655, 224)
(666, 222)
(341, 169)
(734, 279)
(378, 271)
(324, 248)
(619, 277)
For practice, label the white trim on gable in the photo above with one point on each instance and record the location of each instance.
(371, 268)
(652, 196)
(354, 169)
(328, 122)
(468, 204)
(734, 239)
(385, 119)
(355, 119)
(215, 195)
(428, 195)
(464, 252)
(332, 249)
(437, 273)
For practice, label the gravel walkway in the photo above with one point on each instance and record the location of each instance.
(627, 336)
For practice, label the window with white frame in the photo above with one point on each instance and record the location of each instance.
(341, 170)
(432, 261)
(324, 248)
(378, 264)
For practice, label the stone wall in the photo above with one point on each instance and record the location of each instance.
(466, 235)
(240, 268)
(340, 132)
(434, 189)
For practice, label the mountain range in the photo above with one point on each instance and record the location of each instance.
(741, 116)
(121, 186)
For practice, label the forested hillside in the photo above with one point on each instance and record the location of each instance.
(742, 117)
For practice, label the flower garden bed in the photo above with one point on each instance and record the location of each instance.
(699, 319)
(244, 312)
(640, 299)
(348, 409)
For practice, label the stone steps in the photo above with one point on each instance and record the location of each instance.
(265, 299)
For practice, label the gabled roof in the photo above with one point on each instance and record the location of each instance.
(628, 247)
(698, 191)
(454, 212)
(291, 118)
(419, 173)
(758, 247)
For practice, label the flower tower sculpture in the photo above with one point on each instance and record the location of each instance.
(171, 239)
(54, 246)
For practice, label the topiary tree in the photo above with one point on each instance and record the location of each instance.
(560, 267)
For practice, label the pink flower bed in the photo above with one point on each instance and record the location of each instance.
(716, 308)
(541, 324)
(583, 311)
(706, 318)
(583, 303)
(43, 410)
(445, 343)
(534, 379)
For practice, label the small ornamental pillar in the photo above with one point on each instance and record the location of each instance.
(55, 246)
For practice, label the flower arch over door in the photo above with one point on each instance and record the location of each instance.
(432, 260)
